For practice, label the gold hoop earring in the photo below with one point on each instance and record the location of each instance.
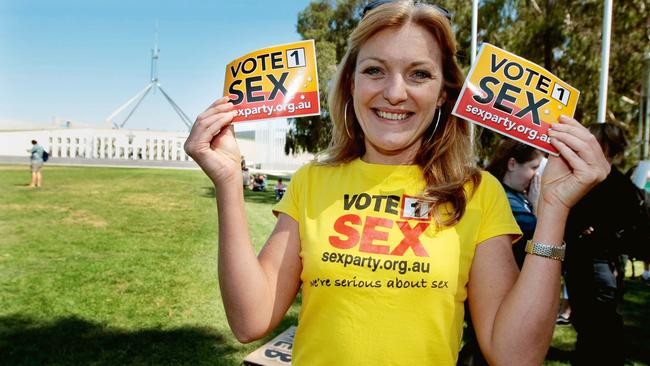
(435, 127)
(345, 119)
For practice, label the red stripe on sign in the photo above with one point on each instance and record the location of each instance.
(522, 129)
(299, 104)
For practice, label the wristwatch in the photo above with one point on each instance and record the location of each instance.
(546, 250)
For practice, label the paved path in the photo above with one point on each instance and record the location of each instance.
(119, 163)
(106, 162)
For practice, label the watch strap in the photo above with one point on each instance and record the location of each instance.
(546, 250)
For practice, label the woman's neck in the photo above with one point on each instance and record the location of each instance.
(375, 155)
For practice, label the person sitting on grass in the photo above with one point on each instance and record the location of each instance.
(279, 189)
(259, 182)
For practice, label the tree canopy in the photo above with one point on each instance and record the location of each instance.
(563, 36)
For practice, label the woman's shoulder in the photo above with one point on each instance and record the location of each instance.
(489, 179)
(487, 190)
(486, 183)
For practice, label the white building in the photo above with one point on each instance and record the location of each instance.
(261, 143)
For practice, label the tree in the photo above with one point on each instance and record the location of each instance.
(563, 36)
(329, 25)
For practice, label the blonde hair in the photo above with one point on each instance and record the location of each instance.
(446, 158)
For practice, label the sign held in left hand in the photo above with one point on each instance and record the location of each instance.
(514, 97)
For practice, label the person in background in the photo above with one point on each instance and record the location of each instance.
(640, 176)
(245, 173)
(399, 194)
(514, 164)
(259, 182)
(280, 188)
(246, 178)
(594, 229)
(36, 160)
(534, 191)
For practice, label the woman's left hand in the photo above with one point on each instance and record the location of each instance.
(580, 166)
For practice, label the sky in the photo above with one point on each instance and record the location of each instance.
(80, 60)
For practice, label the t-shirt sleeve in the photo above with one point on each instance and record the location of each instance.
(291, 201)
(496, 216)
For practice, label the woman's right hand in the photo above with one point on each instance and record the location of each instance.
(212, 143)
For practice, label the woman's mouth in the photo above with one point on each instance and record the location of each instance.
(393, 116)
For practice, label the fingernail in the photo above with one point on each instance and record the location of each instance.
(563, 118)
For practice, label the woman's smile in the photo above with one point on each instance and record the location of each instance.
(392, 115)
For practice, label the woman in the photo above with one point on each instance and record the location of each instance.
(37, 159)
(394, 228)
(514, 164)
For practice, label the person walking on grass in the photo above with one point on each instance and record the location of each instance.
(36, 163)
(393, 228)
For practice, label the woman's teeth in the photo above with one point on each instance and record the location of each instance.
(392, 116)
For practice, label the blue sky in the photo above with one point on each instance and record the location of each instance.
(81, 59)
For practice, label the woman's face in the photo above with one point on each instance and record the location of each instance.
(519, 175)
(396, 90)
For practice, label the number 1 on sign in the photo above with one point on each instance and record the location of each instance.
(560, 94)
(296, 57)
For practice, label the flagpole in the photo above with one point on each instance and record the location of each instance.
(604, 62)
(474, 28)
(473, 51)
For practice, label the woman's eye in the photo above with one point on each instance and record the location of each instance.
(372, 71)
(420, 74)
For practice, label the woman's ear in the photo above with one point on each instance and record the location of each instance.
(442, 99)
(512, 164)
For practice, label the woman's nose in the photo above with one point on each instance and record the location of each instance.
(395, 91)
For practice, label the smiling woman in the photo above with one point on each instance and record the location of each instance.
(393, 228)
(399, 91)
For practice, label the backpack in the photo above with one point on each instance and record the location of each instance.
(46, 155)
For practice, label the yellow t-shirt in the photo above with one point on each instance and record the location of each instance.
(381, 285)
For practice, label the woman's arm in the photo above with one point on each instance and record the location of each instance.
(256, 291)
(514, 315)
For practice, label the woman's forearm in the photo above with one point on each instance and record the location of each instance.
(244, 286)
(525, 321)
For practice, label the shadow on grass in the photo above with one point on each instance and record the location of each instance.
(636, 314)
(266, 197)
(74, 341)
(556, 354)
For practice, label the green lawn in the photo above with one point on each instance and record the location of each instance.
(636, 314)
(107, 266)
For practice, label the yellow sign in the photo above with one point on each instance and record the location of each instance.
(515, 97)
(279, 81)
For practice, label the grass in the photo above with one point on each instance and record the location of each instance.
(107, 266)
(636, 317)
(115, 266)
